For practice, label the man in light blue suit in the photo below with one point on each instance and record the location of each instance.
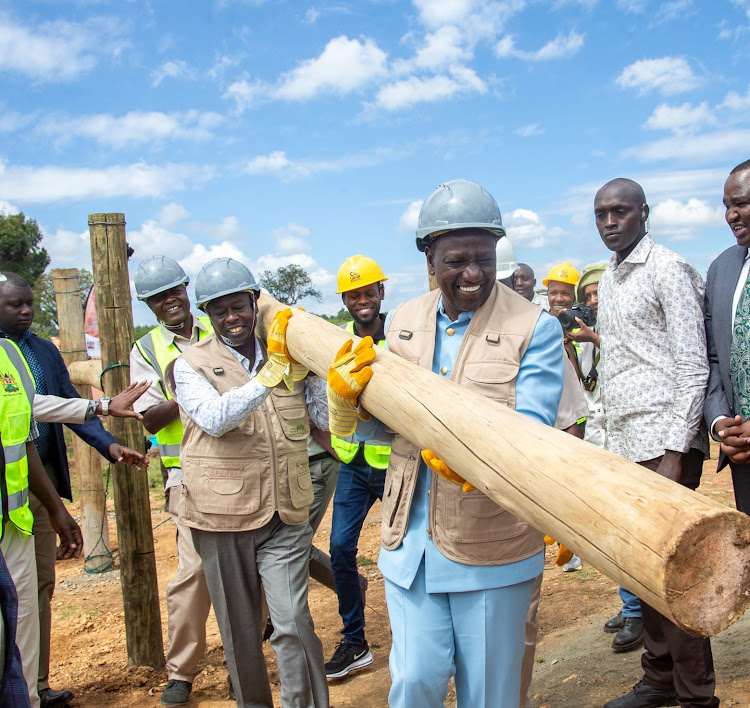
(460, 569)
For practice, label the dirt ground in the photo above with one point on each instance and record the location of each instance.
(575, 665)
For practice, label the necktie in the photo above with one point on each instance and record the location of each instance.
(739, 355)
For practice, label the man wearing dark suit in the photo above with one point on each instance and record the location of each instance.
(51, 377)
(727, 408)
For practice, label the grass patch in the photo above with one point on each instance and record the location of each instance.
(363, 561)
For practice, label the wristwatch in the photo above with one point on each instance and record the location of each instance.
(104, 400)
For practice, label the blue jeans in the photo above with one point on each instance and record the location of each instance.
(357, 489)
(631, 605)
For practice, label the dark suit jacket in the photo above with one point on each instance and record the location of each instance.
(721, 283)
(58, 384)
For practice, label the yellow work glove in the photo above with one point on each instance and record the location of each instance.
(436, 464)
(280, 365)
(563, 554)
(347, 378)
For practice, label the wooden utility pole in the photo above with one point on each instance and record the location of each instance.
(91, 492)
(686, 555)
(132, 506)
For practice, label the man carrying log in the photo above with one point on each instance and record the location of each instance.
(459, 569)
(653, 374)
(246, 487)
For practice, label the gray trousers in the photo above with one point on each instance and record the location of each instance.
(324, 472)
(235, 564)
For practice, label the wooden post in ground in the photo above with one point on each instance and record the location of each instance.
(686, 555)
(132, 506)
(91, 494)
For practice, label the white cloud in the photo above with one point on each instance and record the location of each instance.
(633, 6)
(35, 185)
(12, 121)
(275, 260)
(344, 66)
(686, 118)
(681, 221)
(246, 94)
(172, 214)
(526, 228)
(68, 249)
(676, 9)
(153, 239)
(443, 48)
(57, 51)
(527, 131)
(228, 229)
(743, 5)
(199, 255)
(8, 208)
(279, 164)
(414, 90)
(708, 147)
(668, 76)
(134, 128)
(410, 218)
(291, 238)
(560, 47)
(736, 103)
(178, 69)
(312, 15)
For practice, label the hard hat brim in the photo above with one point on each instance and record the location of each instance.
(426, 237)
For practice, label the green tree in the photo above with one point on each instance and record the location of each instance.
(20, 251)
(341, 317)
(45, 308)
(289, 284)
(141, 330)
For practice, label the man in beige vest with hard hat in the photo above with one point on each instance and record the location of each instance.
(246, 486)
(458, 568)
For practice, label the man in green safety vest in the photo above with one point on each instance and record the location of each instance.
(362, 474)
(161, 283)
(23, 474)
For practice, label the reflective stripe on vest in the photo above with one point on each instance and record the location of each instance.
(376, 452)
(158, 355)
(15, 422)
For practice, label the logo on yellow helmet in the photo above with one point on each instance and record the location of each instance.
(358, 272)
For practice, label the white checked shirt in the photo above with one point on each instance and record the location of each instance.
(653, 368)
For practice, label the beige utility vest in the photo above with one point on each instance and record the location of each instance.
(237, 481)
(466, 527)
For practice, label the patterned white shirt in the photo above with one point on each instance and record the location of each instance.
(653, 368)
(219, 413)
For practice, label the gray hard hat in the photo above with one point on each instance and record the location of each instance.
(458, 204)
(506, 259)
(157, 274)
(222, 276)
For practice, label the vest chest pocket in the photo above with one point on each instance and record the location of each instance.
(300, 482)
(481, 520)
(292, 413)
(216, 485)
(492, 379)
(394, 486)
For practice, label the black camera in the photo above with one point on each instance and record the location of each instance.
(585, 313)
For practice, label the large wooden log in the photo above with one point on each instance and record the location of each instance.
(91, 495)
(682, 553)
(86, 373)
(135, 538)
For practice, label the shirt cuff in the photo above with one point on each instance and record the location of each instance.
(91, 411)
(713, 423)
(679, 440)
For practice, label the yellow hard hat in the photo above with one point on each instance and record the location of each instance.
(357, 272)
(562, 273)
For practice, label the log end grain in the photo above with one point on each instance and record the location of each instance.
(707, 573)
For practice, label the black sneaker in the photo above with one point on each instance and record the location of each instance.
(348, 657)
(643, 696)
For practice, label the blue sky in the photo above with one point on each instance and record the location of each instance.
(279, 132)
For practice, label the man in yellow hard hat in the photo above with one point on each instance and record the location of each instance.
(561, 293)
(361, 476)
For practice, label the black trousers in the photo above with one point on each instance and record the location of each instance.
(741, 483)
(674, 659)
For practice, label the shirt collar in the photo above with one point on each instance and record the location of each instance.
(462, 316)
(24, 337)
(638, 255)
(169, 336)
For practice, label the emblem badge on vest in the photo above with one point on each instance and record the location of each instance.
(9, 384)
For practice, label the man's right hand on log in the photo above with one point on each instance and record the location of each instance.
(437, 465)
(347, 378)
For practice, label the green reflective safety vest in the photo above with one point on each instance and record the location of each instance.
(16, 394)
(376, 452)
(159, 356)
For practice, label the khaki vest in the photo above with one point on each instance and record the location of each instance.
(466, 527)
(237, 481)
